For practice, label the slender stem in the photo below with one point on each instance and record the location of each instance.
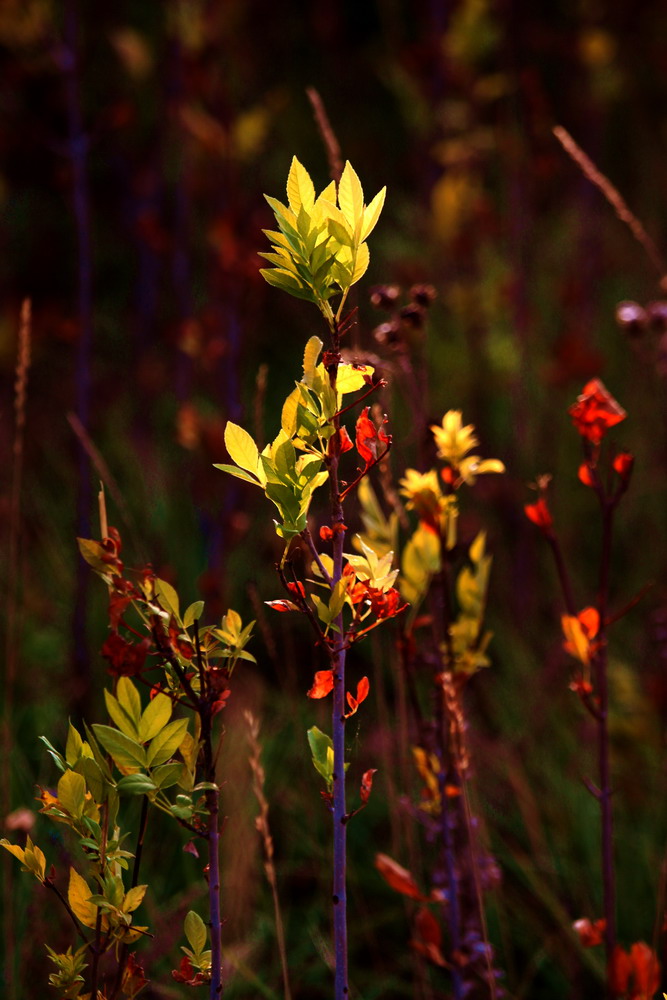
(563, 575)
(48, 884)
(338, 653)
(448, 772)
(607, 842)
(124, 951)
(97, 951)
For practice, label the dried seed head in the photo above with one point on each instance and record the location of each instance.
(631, 317)
(384, 296)
(423, 295)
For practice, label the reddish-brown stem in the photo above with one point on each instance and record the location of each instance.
(48, 884)
(607, 841)
(563, 576)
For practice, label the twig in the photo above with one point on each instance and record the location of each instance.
(12, 599)
(613, 196)
(262, 824)
(329, 139)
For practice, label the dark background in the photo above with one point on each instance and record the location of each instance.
(136, 141)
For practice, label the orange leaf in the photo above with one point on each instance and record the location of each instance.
(322, 684)
(397, 877)
(363, 688)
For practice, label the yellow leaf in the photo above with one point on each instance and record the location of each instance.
(350, 378)
(300, 189)
(361, 263)
(14, 849)
(288, 416)
(310, 356)
(133, 898)
(372, 214)
(351, 196)
(155, 717)
(241, 447)
(78, 895)
(72, 793)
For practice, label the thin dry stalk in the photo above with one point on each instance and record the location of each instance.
(12, 601)
(104, 472)
(615, 199)
(262, 824)
(331, 144)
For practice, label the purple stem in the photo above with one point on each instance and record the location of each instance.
(341, 990)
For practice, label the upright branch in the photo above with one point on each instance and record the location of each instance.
(607, 473)
(451, 578)
(319, 251)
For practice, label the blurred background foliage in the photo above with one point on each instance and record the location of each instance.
(136, 141)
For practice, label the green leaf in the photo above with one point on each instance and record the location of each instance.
(95, 555)
(95, 782)
(74, 746)
(125, 723)
(128, 695)
(97, 753)
(321, 747)
(57, 757)
(195, 931)
(72, 793)
(193, 614)
(136, 784)
(126, 752)
(167, 775)
(239, 473)
(166, 743)
(168, 598)
(287, 282)
(155, 717)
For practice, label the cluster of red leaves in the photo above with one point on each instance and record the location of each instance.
(126, 659)
(134, 978)
(186, 974)
(324, 682)
(634, 975)
(595, 411)
(368, 437)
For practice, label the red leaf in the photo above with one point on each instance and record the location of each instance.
(590, 934)
(397, 877)
(367, 438)
(428, 937)
(587, 474)
(646, 970)
(622, 464)
(326, 534)
(283, 605)
(539, 514)
(595, 411)
(191, 848)
(186, 974)
(322, 684)
(297, 588)
(134, 978)
(367, 784)
(125, 658)
(344, 441)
